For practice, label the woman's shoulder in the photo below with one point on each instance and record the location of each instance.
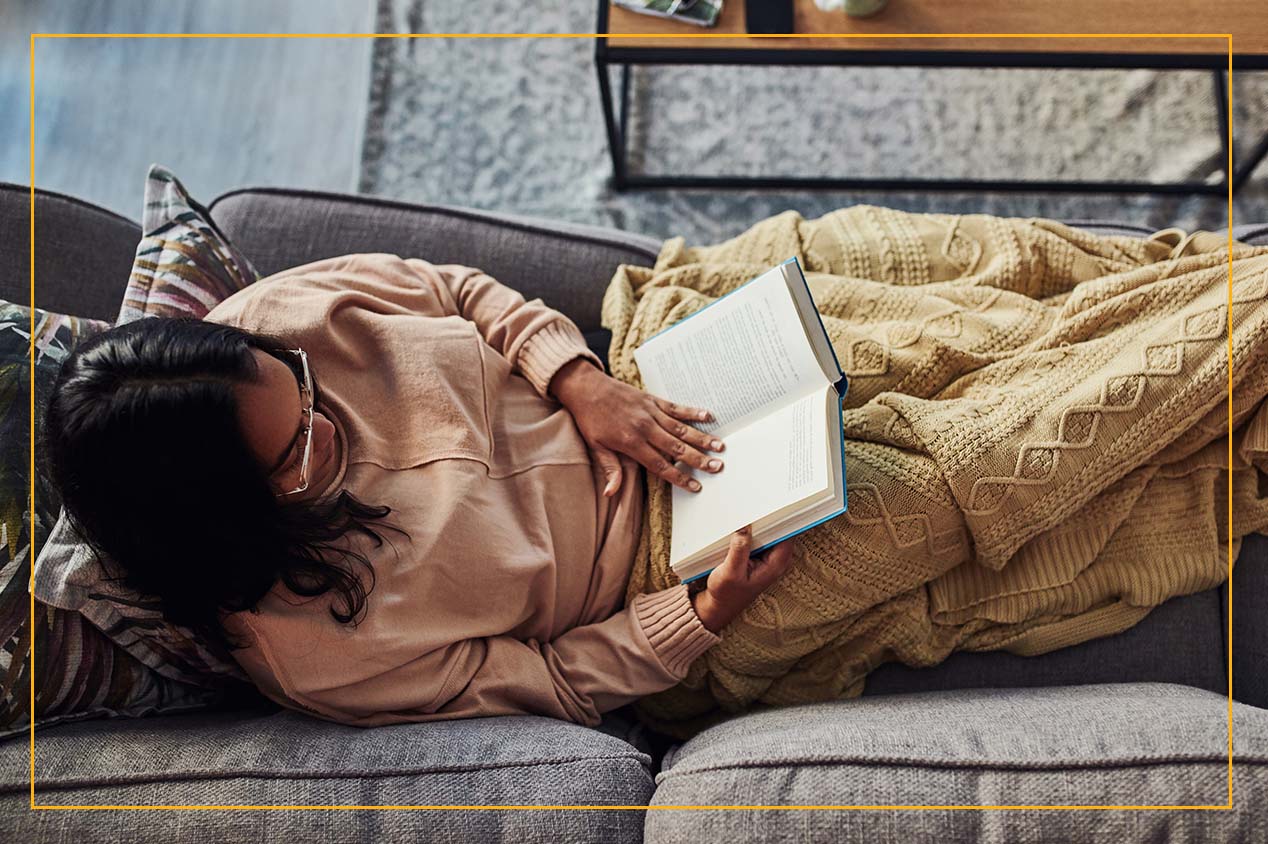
(290, 293)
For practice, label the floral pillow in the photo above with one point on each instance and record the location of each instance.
(79, 671)
(184, 266)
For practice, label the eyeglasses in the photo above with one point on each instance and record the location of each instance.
(306, 395)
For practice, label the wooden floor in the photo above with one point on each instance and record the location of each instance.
(220, 113)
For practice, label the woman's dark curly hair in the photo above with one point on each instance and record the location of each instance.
(142, 440)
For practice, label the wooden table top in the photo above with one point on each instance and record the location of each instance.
(1246, 20)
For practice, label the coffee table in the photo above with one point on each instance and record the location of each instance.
(888, 39)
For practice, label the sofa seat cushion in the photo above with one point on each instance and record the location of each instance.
(1120, 744)
(284, 758)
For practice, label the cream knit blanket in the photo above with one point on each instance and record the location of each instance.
(1036, 440)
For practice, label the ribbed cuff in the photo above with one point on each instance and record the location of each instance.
(546, 352)
(677, 634)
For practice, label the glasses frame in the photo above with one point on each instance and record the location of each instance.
(305, 389)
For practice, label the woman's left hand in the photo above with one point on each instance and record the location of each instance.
(615, 417)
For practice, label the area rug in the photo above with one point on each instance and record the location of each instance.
(514, 125)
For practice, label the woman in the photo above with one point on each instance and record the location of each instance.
(508, 459)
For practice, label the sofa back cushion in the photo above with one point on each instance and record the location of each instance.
(568, 266)
(184, 265)
(83, 253)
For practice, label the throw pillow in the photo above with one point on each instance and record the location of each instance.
(184, 266)
(79, 672)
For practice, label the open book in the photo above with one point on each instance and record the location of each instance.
(759, 359)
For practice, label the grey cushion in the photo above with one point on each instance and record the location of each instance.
(1129, 744)
(1253, 233)
(568, 266)
(1181, 641)
(1111, 227)
(83, 254)
(291, 759)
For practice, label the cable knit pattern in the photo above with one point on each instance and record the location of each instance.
(546, 352)
(672, 626)
(1036, 440)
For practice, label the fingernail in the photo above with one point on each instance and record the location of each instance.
(715, 465)
(704, 417)
(695, 486)
(717, 445)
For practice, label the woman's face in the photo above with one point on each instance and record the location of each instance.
(271, 414)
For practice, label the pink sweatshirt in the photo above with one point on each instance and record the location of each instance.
(509, 596)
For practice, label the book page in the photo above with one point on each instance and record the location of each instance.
(773, 462)
(738, 357)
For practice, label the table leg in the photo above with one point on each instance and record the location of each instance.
(616, 134)
(1221, 112)
(623, 125)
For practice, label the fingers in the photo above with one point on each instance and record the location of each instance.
(679, 451)
(769, 566)
(779, 556)
(679, 411)
(657, 464)
(611, 466)
(668, 442)
(675, 439)
(688, 434)
(741, 544)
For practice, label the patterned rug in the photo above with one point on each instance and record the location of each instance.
(515, 125)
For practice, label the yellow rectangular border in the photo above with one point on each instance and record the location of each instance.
(32, 466)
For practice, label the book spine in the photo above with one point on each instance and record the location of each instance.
(842, 384)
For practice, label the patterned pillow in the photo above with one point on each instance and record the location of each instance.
(184, 266)
(79, 672)
(68, 576)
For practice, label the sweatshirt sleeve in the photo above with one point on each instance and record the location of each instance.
(536, 339)
(586, 671)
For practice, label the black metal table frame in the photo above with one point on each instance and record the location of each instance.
(606, 55)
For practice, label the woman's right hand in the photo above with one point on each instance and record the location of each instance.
(735, 584)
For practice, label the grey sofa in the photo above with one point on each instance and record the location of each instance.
(1136, 719)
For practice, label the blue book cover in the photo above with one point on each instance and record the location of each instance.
(760, 360)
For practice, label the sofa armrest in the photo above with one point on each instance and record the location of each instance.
(567, 265)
